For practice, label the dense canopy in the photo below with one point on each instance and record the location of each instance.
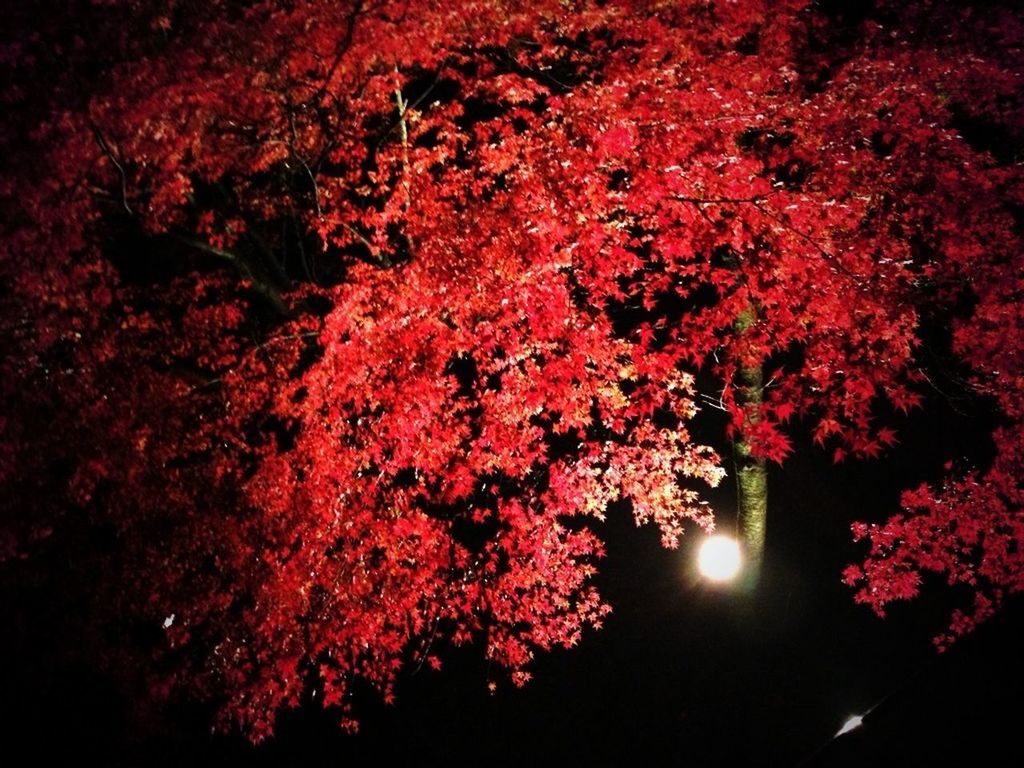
(341, 324)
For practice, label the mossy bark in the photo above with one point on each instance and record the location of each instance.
(751, 472)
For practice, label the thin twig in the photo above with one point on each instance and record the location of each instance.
(829, 256)
(757, 201)
(414, 105)
(113, 159)
(720, 200)
(343, 47)
(374, 250)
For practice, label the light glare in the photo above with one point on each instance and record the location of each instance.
(851, 723)
(719, 558)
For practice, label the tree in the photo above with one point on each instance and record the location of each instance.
(347, 320)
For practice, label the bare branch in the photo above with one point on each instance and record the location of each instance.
(720, 200)
(116, 163)
(266, 291)
(379, 255)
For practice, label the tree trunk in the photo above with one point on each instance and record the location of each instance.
(751, 472)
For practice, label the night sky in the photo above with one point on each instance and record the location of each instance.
(683, 673)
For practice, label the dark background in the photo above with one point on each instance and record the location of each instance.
(682, 674)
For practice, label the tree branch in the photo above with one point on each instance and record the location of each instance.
(342, 49)
(376, 252)
(829, 256)
(268, 292)
(720, 200)
(404, 134)
(757, 201)
(113, 159)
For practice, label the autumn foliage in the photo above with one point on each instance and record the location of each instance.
(348, 320)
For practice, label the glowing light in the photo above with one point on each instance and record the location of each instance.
(719, 558)
(854, 721)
